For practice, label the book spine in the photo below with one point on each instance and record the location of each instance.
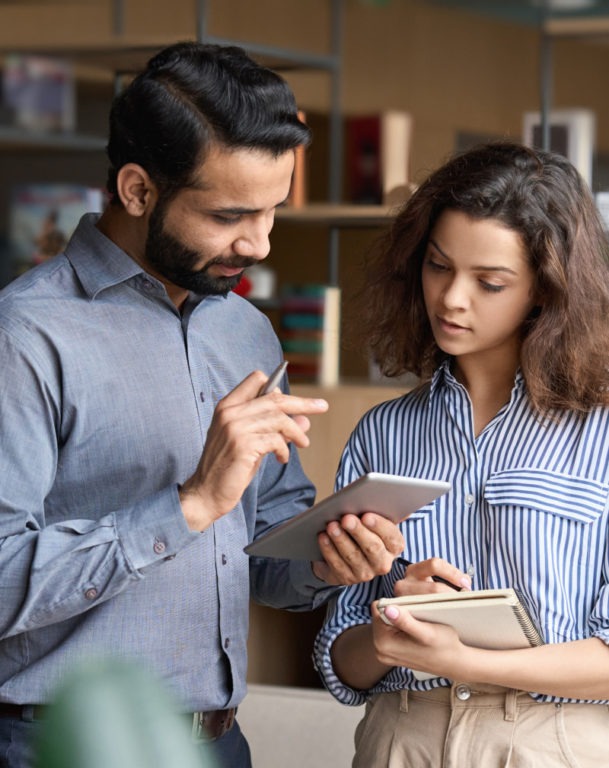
(378, 157)
(310, 333)
(298, 190)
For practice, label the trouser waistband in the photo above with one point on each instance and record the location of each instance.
(470, 695)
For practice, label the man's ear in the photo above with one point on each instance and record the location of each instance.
(136, 189)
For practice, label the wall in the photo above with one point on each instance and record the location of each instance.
(456, 72)
(453, 70)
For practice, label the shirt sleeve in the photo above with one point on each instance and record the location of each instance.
(349, 609)
(599, 616)
(352, 606)
(283, 491)
(51, 572)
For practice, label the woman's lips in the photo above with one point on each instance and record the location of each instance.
(450, 327)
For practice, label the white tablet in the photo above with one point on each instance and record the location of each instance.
(392, 496)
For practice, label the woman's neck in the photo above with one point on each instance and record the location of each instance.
(489, 386)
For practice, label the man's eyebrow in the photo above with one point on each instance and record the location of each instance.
(482, 268)
(239, 211)
(235, 211)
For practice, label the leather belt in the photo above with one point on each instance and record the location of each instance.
(21, 711)
(206, 726)
(212, 725)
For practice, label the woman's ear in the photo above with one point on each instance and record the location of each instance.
(135, 189)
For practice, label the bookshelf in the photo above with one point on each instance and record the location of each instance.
(569, 18)
(335, 217)
(109, 58)
(15, 139)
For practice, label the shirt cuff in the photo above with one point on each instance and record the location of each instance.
(306, 583)
(154, 529)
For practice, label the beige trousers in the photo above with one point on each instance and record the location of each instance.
(480, 726)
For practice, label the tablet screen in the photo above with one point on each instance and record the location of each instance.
(392, 496)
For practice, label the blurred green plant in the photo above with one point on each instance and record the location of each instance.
(113, 714)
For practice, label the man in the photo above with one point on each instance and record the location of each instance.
(137, 457)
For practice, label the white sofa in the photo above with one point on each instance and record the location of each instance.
(289, 727)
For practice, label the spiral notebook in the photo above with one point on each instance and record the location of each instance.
(494, 619)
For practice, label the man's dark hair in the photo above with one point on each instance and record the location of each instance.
(191, 96)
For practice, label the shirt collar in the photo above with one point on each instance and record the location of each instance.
(443, 378)
(98, 262)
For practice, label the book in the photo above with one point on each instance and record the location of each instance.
(309, 332)
(42, 217)
(494, 619)
(377, 150)
(298, 189)
(40, 92)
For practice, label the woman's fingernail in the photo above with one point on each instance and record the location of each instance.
(391, 612)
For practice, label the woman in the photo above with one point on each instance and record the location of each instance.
(493, 287)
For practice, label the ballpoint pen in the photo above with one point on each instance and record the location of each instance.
(439, 579)
(274, 379)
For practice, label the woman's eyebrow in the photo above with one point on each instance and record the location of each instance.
(481, 268)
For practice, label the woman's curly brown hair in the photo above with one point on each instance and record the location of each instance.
(540, 195)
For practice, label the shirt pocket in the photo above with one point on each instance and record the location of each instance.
(421, 514)
(569, 497)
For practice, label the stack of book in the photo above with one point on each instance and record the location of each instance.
(310, 332)
(42, 218)
(378, 157)
(39, 91)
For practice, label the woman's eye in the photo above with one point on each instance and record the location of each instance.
(491, 287)
(435, 265)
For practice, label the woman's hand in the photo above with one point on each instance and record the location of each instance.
(420, 645)
(431, 575)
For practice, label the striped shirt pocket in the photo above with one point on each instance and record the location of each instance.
(573, 497)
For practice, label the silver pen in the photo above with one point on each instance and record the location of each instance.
(274, 379)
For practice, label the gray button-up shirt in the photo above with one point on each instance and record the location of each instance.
(106, 395)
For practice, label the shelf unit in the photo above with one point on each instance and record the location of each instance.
(335, 216)
(554, 20)
(16, 139)
(123, 54)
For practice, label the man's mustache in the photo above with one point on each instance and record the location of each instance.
(237, 262)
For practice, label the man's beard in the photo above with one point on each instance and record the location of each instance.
(174, 261)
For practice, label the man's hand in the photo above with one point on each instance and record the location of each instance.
(357, 549)
(244, 429)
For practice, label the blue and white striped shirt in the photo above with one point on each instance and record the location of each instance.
(528, 508)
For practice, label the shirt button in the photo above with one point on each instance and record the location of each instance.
(147, 285)
(469, 499)
(463, 692)
(224, 560)
(202, 396)
(227, 642)
(91, 593)
(159, 547)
